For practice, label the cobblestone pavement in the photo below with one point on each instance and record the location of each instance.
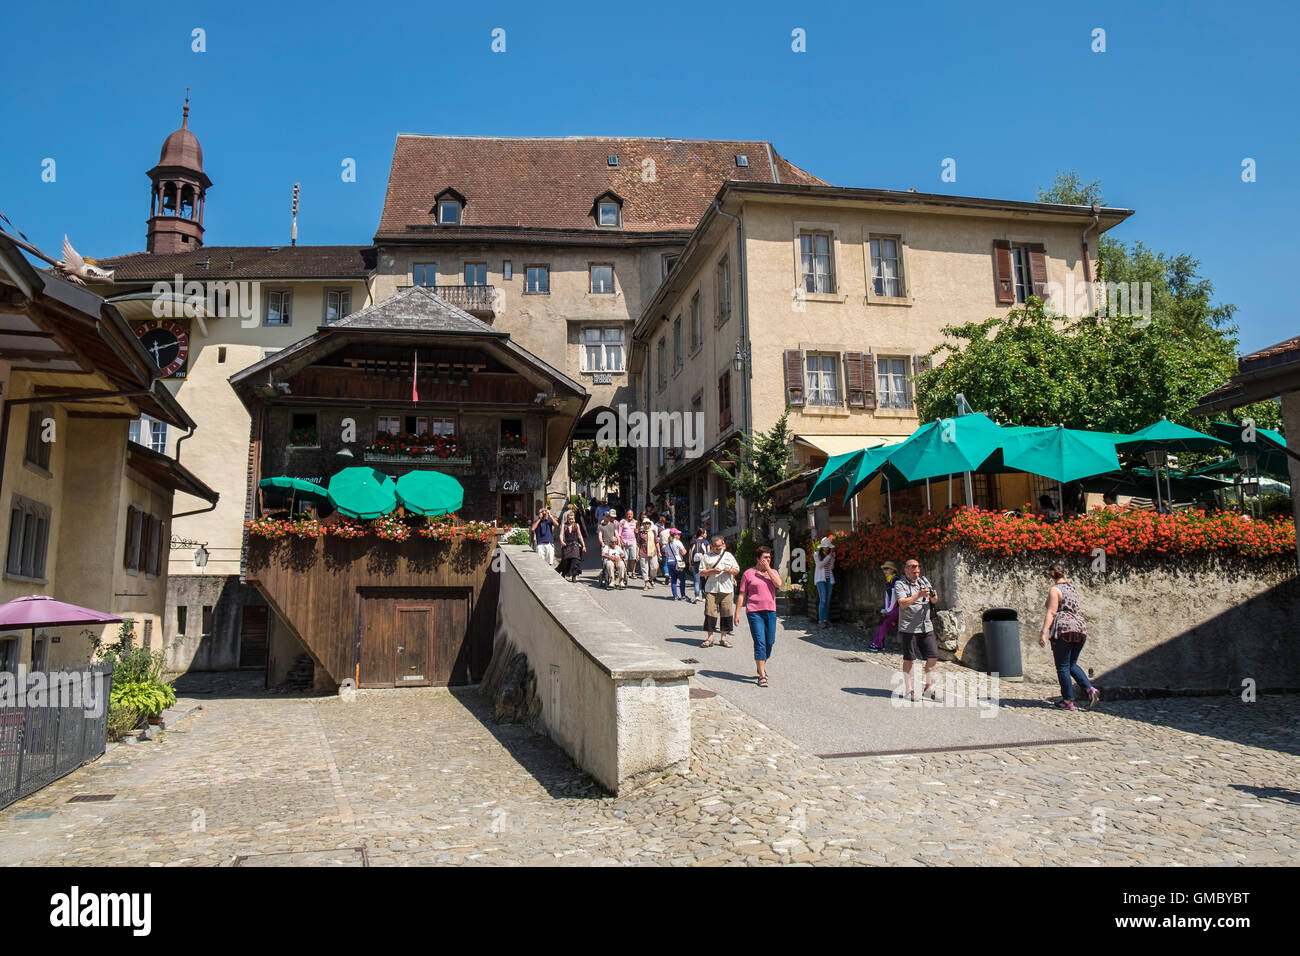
(420, 776)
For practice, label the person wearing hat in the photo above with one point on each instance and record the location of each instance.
(889, 613)
(647, 543)
(824, 579)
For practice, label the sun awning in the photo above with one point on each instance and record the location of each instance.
(832, 445)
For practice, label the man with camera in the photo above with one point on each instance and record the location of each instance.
(544, 534)
(915, 595)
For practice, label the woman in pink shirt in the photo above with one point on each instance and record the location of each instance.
(756, 598)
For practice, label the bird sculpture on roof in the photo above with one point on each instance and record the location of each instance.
(79, 270)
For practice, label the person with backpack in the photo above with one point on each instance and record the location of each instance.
(699, 549)
(1063, 624)
(889, 613)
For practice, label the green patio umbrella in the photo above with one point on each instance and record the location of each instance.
(430, 493)
(299, 488)
(361, 492)
(1162, 437)
(1269, 449)
(1062, 454)
(876, 462)
(947, 447)
(837, 473)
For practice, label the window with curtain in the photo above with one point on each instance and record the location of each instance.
(886, 267)
(821, 379)
(818, 267)
(891, 383)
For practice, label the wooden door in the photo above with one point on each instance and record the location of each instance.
(413, 638)
(252, 635)
(378, 649)
(413, 634)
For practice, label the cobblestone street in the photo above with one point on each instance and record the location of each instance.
(422, 776)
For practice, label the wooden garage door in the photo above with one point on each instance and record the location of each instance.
(414, 638)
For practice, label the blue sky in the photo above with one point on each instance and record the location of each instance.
(884, 93)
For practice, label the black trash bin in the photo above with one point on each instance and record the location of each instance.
(1002, 641)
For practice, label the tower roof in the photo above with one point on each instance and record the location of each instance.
(182, 147)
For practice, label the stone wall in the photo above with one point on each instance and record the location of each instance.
(1177, 623)
(559, 664)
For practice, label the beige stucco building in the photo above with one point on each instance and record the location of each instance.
(87, 511)
(559, 241)
(829, 300)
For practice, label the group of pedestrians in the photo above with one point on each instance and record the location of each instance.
(645, 547)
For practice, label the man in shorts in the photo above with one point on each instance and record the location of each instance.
(718, 569)
(914, 595)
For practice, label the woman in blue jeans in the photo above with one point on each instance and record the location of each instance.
(824, 579)
(756, 599)
(1064, 625)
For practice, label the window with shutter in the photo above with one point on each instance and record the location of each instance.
(724, 400)
(869, 380)
(1003, 277)
(126, 544)
(794, 377)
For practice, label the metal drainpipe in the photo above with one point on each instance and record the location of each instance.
(1087, 265)
(746, 412)
(645, 374)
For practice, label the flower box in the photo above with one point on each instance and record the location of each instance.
(422, 459)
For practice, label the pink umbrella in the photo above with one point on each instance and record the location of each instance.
(39, 610)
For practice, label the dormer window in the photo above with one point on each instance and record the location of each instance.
(449, 208)
(608, 210)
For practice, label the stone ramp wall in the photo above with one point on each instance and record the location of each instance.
(1154, 623)
(620, 709)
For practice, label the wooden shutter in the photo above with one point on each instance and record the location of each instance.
(921, 363)
(869, 380)
(794, 390)
(1003, 279)
(855, 379)
(1038, 268)
(130, 524)
(156, 547)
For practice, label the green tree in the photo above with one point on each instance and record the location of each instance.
(593, 464)
(762, 460)
(1107, 374)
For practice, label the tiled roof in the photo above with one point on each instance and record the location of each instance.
(246, 262)
(1279, 354)
(551, 183)
(416, 309)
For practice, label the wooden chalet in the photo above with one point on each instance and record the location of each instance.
(364, 390)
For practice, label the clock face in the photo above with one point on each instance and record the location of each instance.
(168, 344)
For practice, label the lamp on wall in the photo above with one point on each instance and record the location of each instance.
(740, 357)
(200, 557)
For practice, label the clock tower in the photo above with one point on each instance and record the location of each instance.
(179, 189)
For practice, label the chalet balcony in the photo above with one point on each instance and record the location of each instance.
(475, 299)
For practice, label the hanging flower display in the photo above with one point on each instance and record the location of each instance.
(345, 529)
(516, 442)
(267, 527)
(414, 446)
(390, 528)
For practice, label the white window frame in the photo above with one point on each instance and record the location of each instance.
(1022, 276)
(722, 276)
(344, 307)
(545, 270)
(886, 395)
(608, 205)
(876, 260)
(591, 278)
(816, 393)
(443, 219)
(285, 310)
(826, 277)
(608, 345)
(697, 322)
